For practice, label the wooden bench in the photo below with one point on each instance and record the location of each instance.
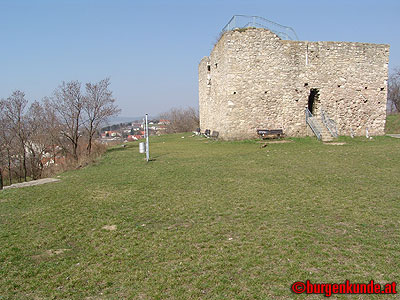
(270, 133)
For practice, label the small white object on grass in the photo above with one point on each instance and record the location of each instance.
(351, 133)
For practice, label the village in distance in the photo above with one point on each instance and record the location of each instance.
(131, 131)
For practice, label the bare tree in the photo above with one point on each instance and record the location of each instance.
(7, 139)
(1, 177)
(1, 170)
(181, 120)
(2, 143)
(394, 89)
(68, 104)
(14, 111)
(98, 107)
(53, 128)
(28, 135)
(37, 138)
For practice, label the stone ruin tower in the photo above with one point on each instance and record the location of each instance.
(257, 77)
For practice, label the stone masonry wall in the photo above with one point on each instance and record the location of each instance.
(254, 80)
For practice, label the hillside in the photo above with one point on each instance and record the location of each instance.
(393, 123)
(206, 220)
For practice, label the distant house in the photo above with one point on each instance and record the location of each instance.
(110, 133)
(164, 122)
(136, 124)
(134, 137)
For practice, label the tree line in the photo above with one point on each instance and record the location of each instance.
(63, 125)
(394, 91)
(181, 119)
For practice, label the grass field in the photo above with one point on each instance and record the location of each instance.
(393, 123)
(207, 220)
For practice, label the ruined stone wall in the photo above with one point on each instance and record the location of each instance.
(253, 80)
(213, 78)
(351, 79)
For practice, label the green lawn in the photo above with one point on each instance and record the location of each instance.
(393, 123)
(207, 220)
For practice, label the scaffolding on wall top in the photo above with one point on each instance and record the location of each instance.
(242, 21)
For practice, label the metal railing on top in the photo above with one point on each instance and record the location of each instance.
(242, 21)
(329, 123)
(310, 123)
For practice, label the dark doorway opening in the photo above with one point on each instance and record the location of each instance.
(313, 100)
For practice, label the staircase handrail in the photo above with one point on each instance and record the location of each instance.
(329, 123)
(310, 123)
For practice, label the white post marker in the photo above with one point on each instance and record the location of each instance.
(147, 140)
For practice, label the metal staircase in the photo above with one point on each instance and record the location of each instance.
(323, 127)
(329, 123)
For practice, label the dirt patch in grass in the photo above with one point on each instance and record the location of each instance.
(110, 227)
(53, 252)
(275, 142)
(101, 194)
(335, 144)
(50, 253)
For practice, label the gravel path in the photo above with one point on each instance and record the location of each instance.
(31, 183)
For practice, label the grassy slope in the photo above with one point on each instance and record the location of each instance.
(211, 220)
(393, 123)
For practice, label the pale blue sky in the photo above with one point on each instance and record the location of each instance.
(151, 49)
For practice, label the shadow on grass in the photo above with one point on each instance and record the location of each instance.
(120, 148)
(159, 155)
